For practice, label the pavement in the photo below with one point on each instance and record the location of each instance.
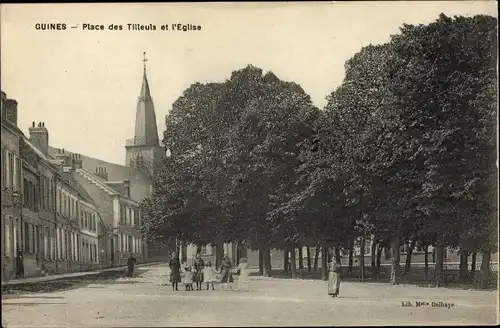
(145, 300)
(33, 280)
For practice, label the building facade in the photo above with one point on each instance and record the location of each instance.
(10, 184)
(46, 214)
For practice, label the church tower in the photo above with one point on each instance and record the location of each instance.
(144, 150)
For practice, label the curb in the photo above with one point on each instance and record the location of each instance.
(36, 280)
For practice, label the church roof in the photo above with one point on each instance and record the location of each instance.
(146, 130)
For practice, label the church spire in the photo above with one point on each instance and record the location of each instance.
(146, 131)
(145, 93)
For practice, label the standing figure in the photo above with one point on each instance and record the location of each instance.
(333, 279)
(19, 263)
(188, 278)
(210, 275)
(175, 270)
(130, 264)
(243, 279)
(199, 264)
(226, 274)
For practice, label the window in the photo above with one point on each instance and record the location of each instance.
(2, 164)
(10, 170)
(204, 249)
(15, 185)
(122, 214)
(59, 201)
(42, 193)
(7, 231)
(36, 239)
(27, 237)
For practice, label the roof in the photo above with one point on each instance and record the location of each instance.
(146, 130)
(116, 185)
(39, 153)
(115, 172)
(79, 188)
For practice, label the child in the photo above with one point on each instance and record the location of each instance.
(188, 279)
(243, 280)
(210, 275)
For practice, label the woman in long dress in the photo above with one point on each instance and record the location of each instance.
(199, 264)
(175, 273)
(226, 274)
(333, 279)
(243, 279)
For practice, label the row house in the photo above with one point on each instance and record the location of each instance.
(10, 184)
(119, 214)
(46, 214)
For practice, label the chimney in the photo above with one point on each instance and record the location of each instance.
(101, 172)
(77, 161)
(9, 109)
(65, 158)
(39, 135)
(126, 187)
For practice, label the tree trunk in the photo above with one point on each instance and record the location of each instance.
(426, 262)
(219, 253)
(379, 257)
(409, 253)
(374, 257)
(351, 255)
(261, 263)
(316, 258)
(338, 259)
(473, 265)
(438, 268)
(308, 259)
(464, 265)
(324, 259)
(198, 248)
(434, 255)
(485, 271)
(395, 275)
(362, 258)
(301, 257)
(267, 262)
(286, 259)
(293, 263)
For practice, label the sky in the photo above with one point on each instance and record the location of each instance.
(84, 84)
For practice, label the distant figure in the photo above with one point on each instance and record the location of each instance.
(210, 275)
(199, 264)
(130, 264)
(19, 263)
(175, 270)
(243, 280)
(188, 278)
(226, 274)
(333, 279)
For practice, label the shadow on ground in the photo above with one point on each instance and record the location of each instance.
(317, 275)
(108, 277)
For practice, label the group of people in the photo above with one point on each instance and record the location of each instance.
(203, 272)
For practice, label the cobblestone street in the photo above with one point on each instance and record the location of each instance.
(145, 301)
